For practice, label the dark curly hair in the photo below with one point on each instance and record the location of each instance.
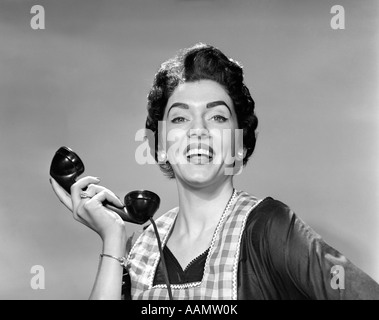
(201, 62)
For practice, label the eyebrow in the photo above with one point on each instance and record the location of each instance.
(208, 105)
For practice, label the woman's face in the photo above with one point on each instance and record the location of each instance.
(201, 126)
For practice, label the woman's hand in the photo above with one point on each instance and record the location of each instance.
(90, 211)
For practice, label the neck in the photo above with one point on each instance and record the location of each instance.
(200, 209)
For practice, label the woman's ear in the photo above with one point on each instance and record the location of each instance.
(241, 153)
(162, 156)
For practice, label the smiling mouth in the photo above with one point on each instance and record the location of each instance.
(199, 153)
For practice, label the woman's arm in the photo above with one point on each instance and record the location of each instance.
(110, 227)
(315, 268)
(108, 282)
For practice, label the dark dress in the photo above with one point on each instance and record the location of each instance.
(281, 258)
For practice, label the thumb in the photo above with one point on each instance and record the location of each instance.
(61, 193)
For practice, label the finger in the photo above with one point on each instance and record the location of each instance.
(61, 193)
(64, 197)
(79, 185)
(94, 189)
(102, 196)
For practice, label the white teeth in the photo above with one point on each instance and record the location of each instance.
(198, 151)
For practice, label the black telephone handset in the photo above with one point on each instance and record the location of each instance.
(141, 205)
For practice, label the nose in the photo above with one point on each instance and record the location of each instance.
(198, 129)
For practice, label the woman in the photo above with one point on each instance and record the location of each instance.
(219, 243)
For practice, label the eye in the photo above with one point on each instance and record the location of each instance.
(178, 120)
(219, 118)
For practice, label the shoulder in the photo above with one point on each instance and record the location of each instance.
(271, 205)
(274, 223)
(162, 223)
(270, 219)
(264, 209)
(270, 210)
(266, 232)
(166, 218)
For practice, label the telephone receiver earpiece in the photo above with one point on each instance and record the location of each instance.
(141, 205)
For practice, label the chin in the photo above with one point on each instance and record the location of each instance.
(199, 176)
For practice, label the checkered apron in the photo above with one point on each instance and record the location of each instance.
(220, 272)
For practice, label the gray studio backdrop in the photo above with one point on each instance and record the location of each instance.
(83, 80)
